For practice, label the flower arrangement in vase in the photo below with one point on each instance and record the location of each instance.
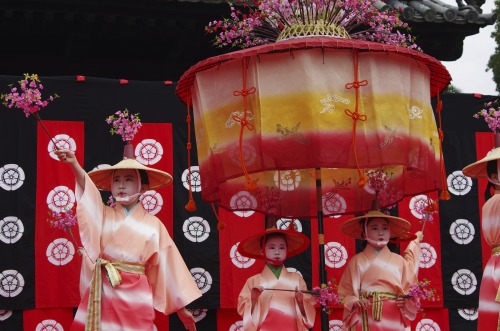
(126, 125)
(327, 296)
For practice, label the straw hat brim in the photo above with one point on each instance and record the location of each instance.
(478, 169)
(296, 243)
(102, 177)
(398, 226)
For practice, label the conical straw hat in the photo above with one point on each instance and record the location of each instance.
(478, 169)
(353, 227)
(252, 247)
(102, 177)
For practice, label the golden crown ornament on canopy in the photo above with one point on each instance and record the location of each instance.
(288, 112)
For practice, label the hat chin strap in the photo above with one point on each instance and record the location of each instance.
(377, 243)
(127, 198)
(133, 196)
(495, 182)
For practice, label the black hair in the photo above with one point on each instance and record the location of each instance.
(144, 177)
(491, 168)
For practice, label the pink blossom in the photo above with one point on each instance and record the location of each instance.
(29, 98)
(491, 115)
(62, 220)
(422, 291)
(124, 124)
(327, 296)
(263, 20)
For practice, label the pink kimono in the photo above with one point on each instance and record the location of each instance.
(276, 310)
(153, 273)
(379, 276)
(489, 293)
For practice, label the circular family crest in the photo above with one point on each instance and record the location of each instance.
(196, 229)
(239, 260)
(462, 231)
(243, 200)
(334, 203)
(464, 282)
(458, 183)
(152, 202)
(287, 180)
(11, 229)
(11, 283)
(202, 278)
(49, 325)
(11, 177)
(335, 255)
(192, 175)
(148, 152)
(60, 251)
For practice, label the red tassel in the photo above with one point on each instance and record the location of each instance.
(80, 78)
(190, 206)
(445, 195)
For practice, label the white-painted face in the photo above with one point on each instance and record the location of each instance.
(275, 249)
(378, 231)
(124, 184)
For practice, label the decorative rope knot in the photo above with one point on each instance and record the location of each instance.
(355, 115)
(243, 121)
(250, 186)
(188, 146)
(356, 84)
(244, 92)
(188, 118)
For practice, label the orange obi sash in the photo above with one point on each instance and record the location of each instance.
(93, 321)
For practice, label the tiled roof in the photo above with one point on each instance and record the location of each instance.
(432, 11)
(435, 11)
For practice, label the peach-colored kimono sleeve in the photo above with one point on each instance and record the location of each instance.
(412, 258)
(173, 284)
(90, 215)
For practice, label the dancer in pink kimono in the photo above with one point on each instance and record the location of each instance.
(272, 300)
(375, 279)
(131, 265)
(489, 292)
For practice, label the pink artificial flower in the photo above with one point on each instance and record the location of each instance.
(124, 124)
(422, 291)
(491, 115)
(28, 97)
(62, 220)
(327, 296)
(263, 20)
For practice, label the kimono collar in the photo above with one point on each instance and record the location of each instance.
(276, 269)
(128, 212)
